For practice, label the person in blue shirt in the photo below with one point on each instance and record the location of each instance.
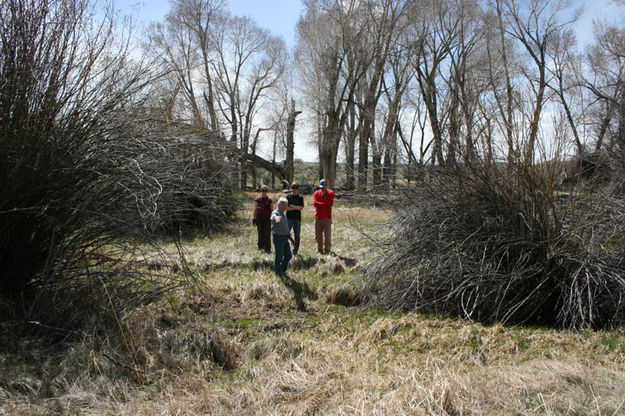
(281, 237)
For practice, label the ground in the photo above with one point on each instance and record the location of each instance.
(243, 342)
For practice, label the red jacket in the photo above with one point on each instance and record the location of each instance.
(323, 203)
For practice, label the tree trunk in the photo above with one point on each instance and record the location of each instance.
(330, 143)
(290, 145)
(273, 159)
(245, 144)
(509, 92)
(534, 125)
(454, 124)
(253, 153)
(367, 123)
(320, 147)
(350, 150)
(377, 169)
(363, 154)
(390, 149)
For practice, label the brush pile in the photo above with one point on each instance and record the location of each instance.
(493, 243)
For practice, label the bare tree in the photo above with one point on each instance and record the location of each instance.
(505, 102)
(174, 45)
(606, 81)
(197, 17)
(535, 26)
(328, 38)
(351, 133)
(224, 67)
(462, 83)
(249, 62)
(394, 89)
(290, 143)
(430, 47)
(567, 82)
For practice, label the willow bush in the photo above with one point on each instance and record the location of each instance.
(500, 242)
(90, 183)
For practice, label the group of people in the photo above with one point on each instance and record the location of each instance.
(287, 218)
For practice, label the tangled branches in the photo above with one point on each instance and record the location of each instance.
(88, 188)
(495, 244)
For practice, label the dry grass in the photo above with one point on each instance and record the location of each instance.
(240, 346)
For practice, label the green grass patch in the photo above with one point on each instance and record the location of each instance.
(240, 324)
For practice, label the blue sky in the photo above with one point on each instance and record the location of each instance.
(279, 16)
(595, 10)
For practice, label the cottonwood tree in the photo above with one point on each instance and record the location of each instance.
(328, 42)
(223, 66)
(381, 21)
(394, 87)
(416, 118)
(345, 46)
(464, 18)
(280, 116)
(605, 79)
(351, 134)
(174, 44)
(249, 61)
(197, 18)
(430, 46)
(501, 72)
(535, 26)
(567, 82)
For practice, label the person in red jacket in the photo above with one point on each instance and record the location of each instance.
(323, 199)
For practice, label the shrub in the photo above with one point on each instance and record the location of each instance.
(496, 242)
(87, 184)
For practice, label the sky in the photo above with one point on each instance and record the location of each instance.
(279, 16)
(595, 10)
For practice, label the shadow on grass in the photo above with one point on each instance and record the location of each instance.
(349, 262)
(300, 291)
(307, 262)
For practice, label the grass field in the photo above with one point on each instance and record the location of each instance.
(237, 344)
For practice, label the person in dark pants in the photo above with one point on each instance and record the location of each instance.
(294, 214)
(281, 237)
(262, 214)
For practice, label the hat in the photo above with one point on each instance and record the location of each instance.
(323, 183)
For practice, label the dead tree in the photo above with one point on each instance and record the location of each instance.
(290, 144)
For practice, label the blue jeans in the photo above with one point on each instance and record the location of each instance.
(296, 226)
(282, 249)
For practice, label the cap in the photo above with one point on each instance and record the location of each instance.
(323, 183)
